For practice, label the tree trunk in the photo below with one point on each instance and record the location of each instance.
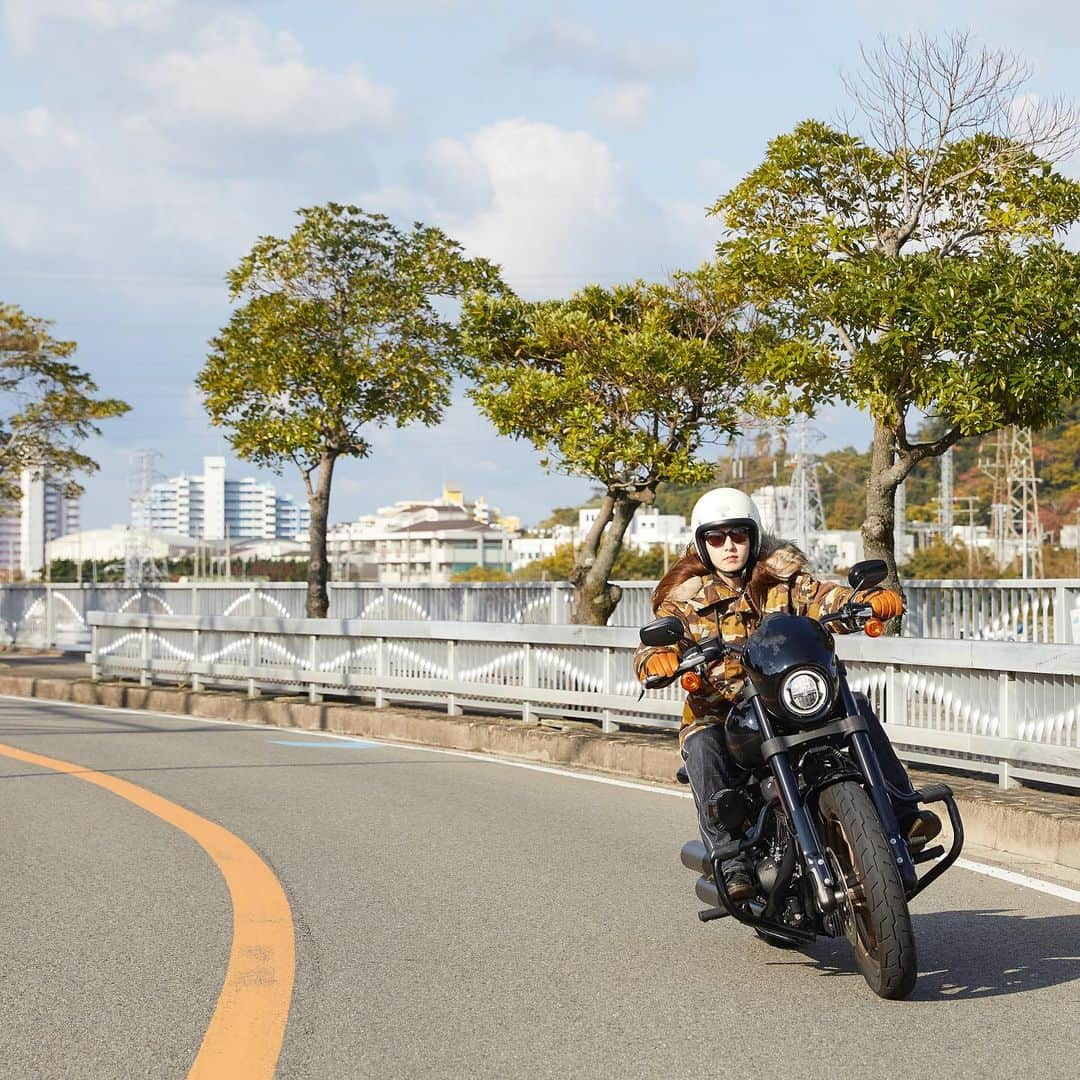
(318, 599)
(879, 525)
(595, 598)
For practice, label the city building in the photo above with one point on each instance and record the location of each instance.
(421, 541)
(26, 526)
(212, 507)
(648, 529)
(114, 545)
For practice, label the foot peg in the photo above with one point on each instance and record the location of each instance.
(712, 913)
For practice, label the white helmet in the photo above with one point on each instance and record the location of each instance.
(725, 506)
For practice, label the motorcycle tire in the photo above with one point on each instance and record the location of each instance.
(874, 914)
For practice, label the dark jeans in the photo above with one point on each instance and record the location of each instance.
(711, 768)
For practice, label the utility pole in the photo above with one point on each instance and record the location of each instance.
(945, 500)
(900, 519)
(971, 500)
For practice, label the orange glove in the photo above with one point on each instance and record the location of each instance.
(886, 603)
(661, 663)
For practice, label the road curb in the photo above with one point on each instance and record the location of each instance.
(1041, 827)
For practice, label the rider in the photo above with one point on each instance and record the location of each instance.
(731, 576)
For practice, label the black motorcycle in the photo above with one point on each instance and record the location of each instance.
(816, 819)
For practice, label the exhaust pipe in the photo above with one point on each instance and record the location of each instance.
(706, 892)
(694, 857)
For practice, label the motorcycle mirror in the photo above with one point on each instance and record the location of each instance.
(867, 574)
(667, 631)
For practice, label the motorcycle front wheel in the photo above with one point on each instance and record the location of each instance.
(873, 912)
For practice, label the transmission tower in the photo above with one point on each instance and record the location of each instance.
(809, 512)
(139, 565)
(1015, 524)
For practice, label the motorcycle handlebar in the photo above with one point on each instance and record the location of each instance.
(707, 652)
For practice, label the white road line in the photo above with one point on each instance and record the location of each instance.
(1011, 876)
(1014, 878)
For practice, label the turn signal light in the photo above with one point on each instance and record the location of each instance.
(691, 682)
(874, 628)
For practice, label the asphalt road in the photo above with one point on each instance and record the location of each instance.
(457, 917)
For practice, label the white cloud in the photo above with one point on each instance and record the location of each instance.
(556, 198)
(553, 207)
(25, 19)
(561, 45)
(625, 106)
(240, 74)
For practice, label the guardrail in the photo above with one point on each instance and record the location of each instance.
(1012, 710)
(49, 615)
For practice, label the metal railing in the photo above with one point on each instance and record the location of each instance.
(50, 615)
(1012, 710)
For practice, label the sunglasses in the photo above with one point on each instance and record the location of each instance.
(720, 536)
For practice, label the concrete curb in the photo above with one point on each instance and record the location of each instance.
(1037, 826)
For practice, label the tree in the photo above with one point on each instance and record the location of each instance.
(621, 386)
(917, 266)
(342, 327)
(48, 408)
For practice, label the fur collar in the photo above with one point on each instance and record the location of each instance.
(778, 561)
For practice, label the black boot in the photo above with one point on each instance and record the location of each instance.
(740, 885)
(920, 828)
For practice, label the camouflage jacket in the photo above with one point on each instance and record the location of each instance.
(780, 581)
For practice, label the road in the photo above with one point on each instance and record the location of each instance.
(452, 917)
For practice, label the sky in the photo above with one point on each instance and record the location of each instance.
(146, 144)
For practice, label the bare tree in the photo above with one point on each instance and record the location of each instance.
(920, 98)
(911, 258)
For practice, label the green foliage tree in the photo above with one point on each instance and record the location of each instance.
(480, 574)
(916, 267)
(939, 560)
(48, 405)
(621, 386)
(341, 329)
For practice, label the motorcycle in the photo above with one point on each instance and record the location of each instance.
(816, 818)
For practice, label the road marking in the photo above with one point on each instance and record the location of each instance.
(1010, 876)
(352, 745)
(1014, 878)
(244, 1038)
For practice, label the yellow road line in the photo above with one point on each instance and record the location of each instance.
(243, 1040)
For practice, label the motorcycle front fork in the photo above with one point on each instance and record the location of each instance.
(805, 833)
(825, 888)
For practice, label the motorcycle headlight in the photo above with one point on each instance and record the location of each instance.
(804, 692)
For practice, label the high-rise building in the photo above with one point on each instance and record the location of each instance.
(215, 508)
(42, 514)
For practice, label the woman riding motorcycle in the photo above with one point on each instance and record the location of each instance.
(730, 577)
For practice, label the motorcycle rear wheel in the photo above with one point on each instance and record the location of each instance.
(873, 911)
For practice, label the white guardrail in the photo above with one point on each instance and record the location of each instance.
(1012, 710)
(44, 616)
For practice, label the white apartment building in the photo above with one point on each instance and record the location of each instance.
(42, 514)
(648, 529)
(421, 541)
(212, 507)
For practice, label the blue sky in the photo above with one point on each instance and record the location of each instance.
(144, 144)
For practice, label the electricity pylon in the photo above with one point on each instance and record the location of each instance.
(139, 565)
(1015, 524)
